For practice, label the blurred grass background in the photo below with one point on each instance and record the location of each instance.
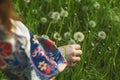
(101, 54)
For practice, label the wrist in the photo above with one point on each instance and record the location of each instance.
(63, 51)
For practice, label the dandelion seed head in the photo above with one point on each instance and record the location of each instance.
(78, 1)
(57, 36)
(96, 5)
(79, 36)
(43, 19)
(92, 23)
(102, 34)
(27, 1)
(64, 13)
(67, 35)
(55, 16)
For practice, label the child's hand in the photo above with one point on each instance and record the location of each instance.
(72, 53)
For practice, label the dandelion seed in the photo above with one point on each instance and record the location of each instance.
(97, 5)
(44, 20)
(57, 36)
(102, 34)
(67, 35)
(27, 1)
(45, 36)
(55, 16)
(71, 41)
(92, 24)
(79, 36)
(64, 13)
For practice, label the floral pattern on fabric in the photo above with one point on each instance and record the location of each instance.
(13, 60)
(45, 57)
(5, 49)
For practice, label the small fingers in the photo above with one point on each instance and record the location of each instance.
(75, 46)
(77, 52)
(75, 59)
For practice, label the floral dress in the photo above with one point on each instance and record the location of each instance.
(24, 55)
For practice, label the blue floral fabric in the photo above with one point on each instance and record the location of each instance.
(41, 64)
(45, 57)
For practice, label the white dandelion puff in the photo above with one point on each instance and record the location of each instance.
(44, 20)
(102, 34)
(27, 1)
(64, 13)
(92, 23)
(78, 1)
(57, 36)
(55, 16)
(79, 36)
(67, 35)
(96, 5)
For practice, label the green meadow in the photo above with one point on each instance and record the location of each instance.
(94, 24)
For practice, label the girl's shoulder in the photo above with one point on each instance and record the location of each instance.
(20, 28)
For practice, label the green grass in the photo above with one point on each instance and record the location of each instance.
(100, 61)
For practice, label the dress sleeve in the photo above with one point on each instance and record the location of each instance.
(46, 58)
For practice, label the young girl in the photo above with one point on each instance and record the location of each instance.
(25, 57)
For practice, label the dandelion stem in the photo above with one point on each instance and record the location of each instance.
(48, 27)
(60, 28)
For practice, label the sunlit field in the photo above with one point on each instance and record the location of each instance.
(94, 24)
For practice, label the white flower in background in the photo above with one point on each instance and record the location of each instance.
(42, 65)
(64, 13)
(27, 1)
(92, 23)
(43, 19)
(78, 1)
(71, 41)
(57, 36)
(67, 35)
(102, 34)
(45, 36)
(79, 36)
(55, 16)
(96, 5)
